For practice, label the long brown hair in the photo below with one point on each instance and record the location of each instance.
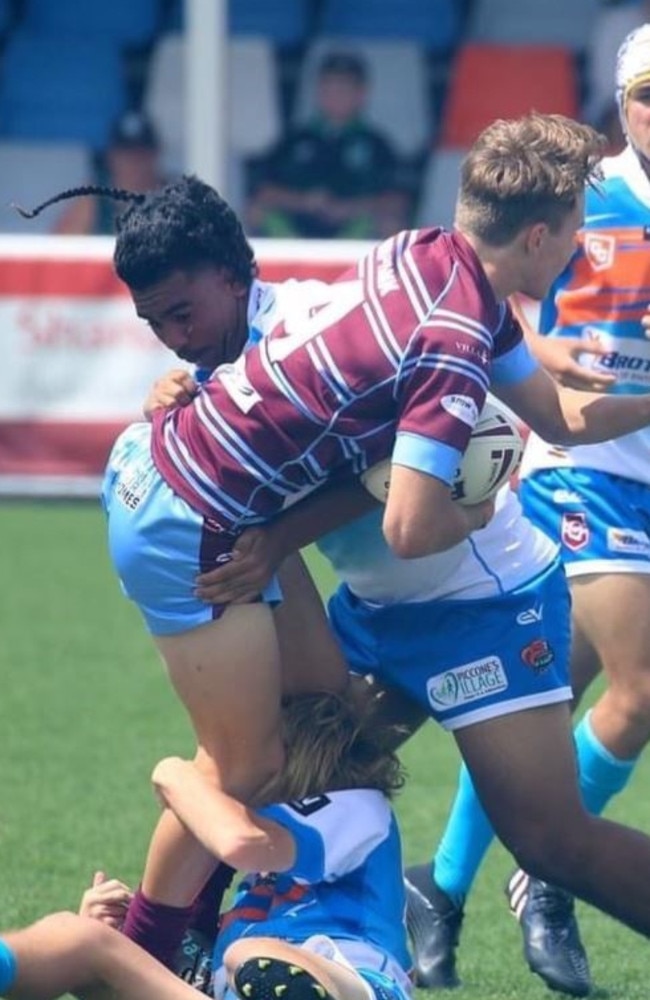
(335, 743)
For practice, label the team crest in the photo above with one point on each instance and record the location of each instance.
(575, 533)
(600, 250)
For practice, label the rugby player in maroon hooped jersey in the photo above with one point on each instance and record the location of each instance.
(393, 359)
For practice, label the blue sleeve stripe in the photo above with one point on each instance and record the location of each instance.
(426, 455)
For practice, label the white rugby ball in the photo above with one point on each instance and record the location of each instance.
(492, 455)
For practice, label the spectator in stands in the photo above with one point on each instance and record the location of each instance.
(336, 175)
(130, 161)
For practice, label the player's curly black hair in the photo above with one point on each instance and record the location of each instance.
(184, 225)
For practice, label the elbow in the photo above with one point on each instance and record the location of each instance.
(243, 851)
(233, 850)
(410, 541)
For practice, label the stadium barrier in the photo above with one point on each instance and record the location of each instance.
(77, 362)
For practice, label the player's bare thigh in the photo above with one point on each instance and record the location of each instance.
(227, 674)
(613, 611)
(310, 655)
(67, 953)
(524, 769)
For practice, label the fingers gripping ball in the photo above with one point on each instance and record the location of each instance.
(492, 456)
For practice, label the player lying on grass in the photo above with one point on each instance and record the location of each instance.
(320, 914)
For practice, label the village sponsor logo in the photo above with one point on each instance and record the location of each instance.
(467, 683)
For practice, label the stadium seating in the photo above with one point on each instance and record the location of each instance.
(498, 81)
(253, 104)
(131, 23)
(6, 17)
(60, 88)
(433, 24)
(397, 98)
(439, 188)
(282, 22)
(31, 172)
(531, 22)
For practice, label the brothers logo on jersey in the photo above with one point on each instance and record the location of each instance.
(600, 250)
(575, 533)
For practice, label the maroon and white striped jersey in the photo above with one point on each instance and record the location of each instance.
(395, 357)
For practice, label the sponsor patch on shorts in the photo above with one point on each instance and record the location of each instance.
(538, 655)
(132, 488)
(628, 541)
(468, 682)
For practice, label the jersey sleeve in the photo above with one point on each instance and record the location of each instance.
(513, 361)
(445, 380)
(333, 833)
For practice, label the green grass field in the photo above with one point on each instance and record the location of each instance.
(85, 712)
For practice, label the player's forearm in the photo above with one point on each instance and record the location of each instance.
(222, 825)
(590, 417)
(322, 511)
(421, 518)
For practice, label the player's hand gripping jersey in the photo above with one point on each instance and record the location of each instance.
(395, 357)
(604, 293)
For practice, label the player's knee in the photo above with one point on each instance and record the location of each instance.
(240, 774)
(631, 702)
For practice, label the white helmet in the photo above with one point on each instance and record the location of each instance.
(632, 66)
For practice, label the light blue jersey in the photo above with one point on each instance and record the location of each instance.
(603, 295)
(346, 883)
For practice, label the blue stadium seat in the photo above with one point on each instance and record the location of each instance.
(128, 23)
(434, 24)
(6, 16)
(282, 22)
(60, 88)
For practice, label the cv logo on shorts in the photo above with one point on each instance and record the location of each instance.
(600, 250)
(538, 655)
(467, 683)
(575, 533)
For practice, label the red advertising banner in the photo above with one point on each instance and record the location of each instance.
(77, 363)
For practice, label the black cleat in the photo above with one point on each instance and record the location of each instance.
(275, 979)
(433, 922)
(552, 945)
(193, 961)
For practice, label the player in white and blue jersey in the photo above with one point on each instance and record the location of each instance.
(594, 500)
(322, 908)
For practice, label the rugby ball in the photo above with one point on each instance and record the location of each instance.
(492, 455)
